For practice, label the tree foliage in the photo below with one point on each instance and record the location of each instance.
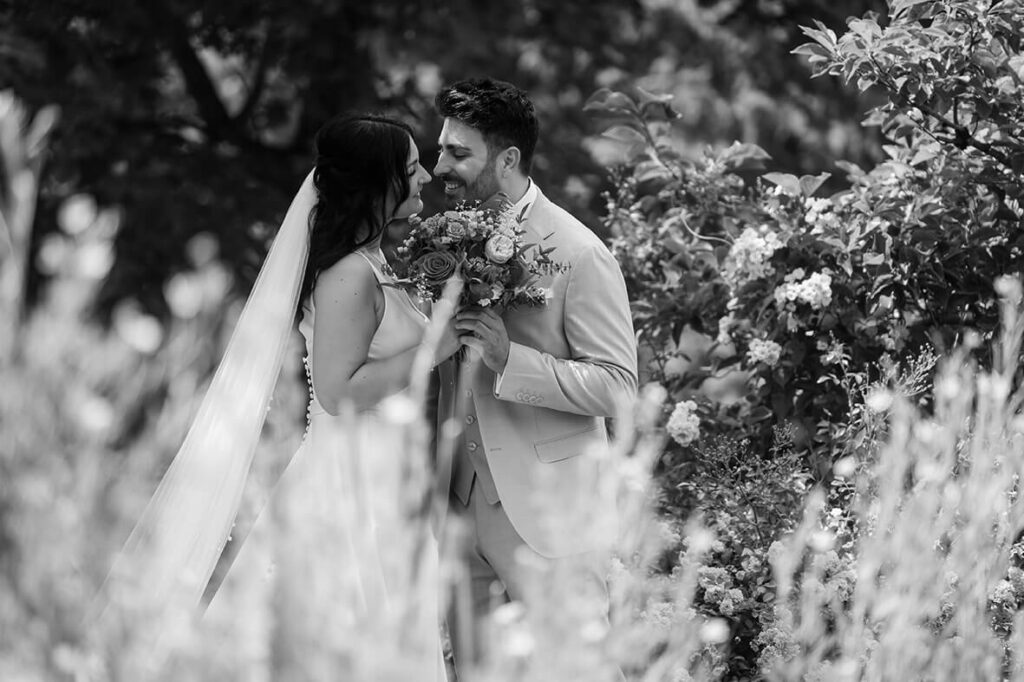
(903, 257)
(198, 117)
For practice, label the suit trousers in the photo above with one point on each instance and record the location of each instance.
(497, 566)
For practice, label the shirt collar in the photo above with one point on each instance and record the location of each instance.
(527, 200)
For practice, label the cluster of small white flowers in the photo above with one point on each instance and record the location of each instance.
(815, 290)
(684, 424)
(749, 256)
(724, 338)
(730, 601)
(1003, 593)
(817, 209)
(795, 275)
(764, 351)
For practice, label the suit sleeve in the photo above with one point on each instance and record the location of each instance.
(601, 371)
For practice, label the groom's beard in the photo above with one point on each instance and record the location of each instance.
(483, 187)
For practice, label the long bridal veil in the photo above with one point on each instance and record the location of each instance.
(174, 548)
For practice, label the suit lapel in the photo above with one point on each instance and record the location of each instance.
(530, 216)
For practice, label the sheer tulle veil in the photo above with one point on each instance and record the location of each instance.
(171, 553)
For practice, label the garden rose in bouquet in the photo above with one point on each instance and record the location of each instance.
(484, 246)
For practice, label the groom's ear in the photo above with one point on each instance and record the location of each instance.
(509, 161)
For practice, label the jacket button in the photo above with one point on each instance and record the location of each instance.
(470, 419)
(471, 446)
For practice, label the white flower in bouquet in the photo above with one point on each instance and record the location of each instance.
(500, 248)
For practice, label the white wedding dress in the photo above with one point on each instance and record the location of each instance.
(345, 543)
(339, 578)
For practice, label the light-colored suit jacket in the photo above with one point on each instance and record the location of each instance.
(571, 363)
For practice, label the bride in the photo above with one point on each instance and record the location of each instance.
(358, 480)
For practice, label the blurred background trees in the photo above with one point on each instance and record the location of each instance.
(198, 117)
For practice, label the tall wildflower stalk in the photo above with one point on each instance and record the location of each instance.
(923, 579)
(22, 152)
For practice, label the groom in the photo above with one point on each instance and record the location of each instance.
(548, 377)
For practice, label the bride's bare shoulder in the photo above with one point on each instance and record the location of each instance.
(351, 275)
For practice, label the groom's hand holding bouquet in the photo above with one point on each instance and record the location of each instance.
(484, 248)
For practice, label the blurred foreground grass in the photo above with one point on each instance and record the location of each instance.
(914, 573)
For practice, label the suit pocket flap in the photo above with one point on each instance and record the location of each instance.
(569, 445)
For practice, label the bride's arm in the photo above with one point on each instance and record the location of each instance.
(347, 299)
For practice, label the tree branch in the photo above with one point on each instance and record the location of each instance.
(256, 92)
(174, 34)
(962, 137)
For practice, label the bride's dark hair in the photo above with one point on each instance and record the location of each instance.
(361, 160)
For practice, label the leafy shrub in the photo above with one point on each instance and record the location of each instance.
(765, 308)
(790, 287)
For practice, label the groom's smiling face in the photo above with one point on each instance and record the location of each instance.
(464, 164)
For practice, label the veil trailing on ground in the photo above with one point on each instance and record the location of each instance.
(173, 550)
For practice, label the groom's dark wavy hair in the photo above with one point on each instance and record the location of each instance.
(361, 161)
(502, 113)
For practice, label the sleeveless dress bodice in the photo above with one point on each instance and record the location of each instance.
(401, 326)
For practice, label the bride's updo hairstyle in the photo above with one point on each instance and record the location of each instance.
(361, 162)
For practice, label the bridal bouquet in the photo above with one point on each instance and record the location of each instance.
(483, 246)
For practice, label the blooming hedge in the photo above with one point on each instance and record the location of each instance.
(768, 308)
(794, 290)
